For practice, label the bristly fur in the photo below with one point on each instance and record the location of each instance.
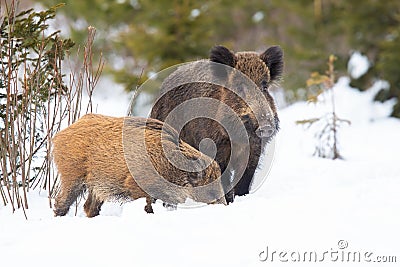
(91, 157)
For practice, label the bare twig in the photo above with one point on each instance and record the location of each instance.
(327, 135)
(35, 103)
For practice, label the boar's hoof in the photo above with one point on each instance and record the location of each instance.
(60, 212)
(169, 206)
(148, 209)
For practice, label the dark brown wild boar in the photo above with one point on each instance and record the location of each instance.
(251, 101)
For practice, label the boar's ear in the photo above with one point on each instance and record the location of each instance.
(223, 55)
(273, 58)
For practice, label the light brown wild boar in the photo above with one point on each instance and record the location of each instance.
(101, 154)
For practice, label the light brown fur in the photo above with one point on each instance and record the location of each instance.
(89, 156)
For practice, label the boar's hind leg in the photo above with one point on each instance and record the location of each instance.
(68, 195)
(92, 205)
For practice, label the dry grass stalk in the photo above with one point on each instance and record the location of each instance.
(32, 112)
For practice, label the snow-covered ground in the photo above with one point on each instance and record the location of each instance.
(307, 205)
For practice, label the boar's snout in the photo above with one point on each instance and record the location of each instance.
(222, 200)
(265, 131)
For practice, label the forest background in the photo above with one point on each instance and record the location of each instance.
(138, 38)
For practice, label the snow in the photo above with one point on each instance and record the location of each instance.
(358, 65)
(258, 16)
(109, 98)
(306, 204)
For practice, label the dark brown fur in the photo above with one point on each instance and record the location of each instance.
(92, 154)
(263, 69)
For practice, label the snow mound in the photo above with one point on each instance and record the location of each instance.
(358, 65)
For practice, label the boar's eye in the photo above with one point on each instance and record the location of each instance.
(264, 85)
(246, 117)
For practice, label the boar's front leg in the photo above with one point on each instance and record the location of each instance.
(148, 208)
(243, 186)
